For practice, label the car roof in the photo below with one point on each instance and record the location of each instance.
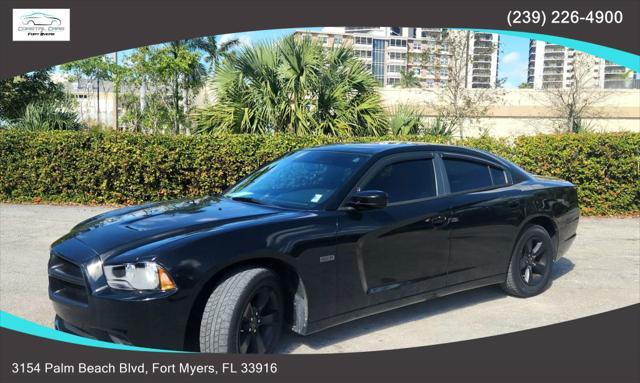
(380, 149)
(389, 147)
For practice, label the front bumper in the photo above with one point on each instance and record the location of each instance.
(154, 323)
(86, 306)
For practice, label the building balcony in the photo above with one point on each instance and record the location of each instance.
(615, 70)
(614, 76)
(482, 51)
(477, 65)
(483, 36)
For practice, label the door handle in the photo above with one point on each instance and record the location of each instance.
(439, 220)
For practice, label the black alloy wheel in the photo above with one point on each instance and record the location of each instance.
(531, 266)
(260, 322)
(244, 314)
(533, 261)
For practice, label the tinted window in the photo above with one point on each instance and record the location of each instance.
(466, 175)
(497, 176)
(405, 181)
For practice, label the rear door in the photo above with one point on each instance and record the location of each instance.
(485, 213)
(401, 250)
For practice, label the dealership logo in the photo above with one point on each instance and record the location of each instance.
(41, 24)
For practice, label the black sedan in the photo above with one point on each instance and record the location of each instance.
(317, 238)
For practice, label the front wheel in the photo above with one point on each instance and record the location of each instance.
(244, 314)
(531, 264)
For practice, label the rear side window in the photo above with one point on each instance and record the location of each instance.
(405, 181)
(467, 175)
(498, 176)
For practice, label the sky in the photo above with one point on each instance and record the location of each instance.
(514, 60)
(514, 52)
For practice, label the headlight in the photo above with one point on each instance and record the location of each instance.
(138, 276)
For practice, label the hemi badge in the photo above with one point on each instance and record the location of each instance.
(327, 258)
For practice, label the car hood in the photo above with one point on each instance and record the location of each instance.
(119, 230)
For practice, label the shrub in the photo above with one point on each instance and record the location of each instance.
(439, 127)
(107, 167)
(47, 115)
(405, 119)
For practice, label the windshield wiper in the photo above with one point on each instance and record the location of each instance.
(247, 199)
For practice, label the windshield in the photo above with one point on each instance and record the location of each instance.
(305, 179)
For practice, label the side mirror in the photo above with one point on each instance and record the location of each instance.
(368, 199)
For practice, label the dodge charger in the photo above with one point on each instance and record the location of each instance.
(314, 239)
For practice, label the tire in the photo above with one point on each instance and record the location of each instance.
(534, 251)
(244, 314)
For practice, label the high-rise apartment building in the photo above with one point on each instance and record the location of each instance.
(553, 65)
(388, 51)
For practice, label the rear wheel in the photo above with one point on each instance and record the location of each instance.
(244, 314)
(531, 264)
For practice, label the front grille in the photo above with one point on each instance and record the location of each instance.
(66, 281)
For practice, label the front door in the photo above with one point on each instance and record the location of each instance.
(400, 250)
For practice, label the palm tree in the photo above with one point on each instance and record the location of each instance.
(408, 79)
(294, 86)
(213, 51)
(405, 120)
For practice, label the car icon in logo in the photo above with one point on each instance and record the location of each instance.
(40, 19)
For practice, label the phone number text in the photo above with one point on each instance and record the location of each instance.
(539, 17)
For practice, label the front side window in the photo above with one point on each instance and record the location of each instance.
(468, 175)
(305, 179)
(405, 181)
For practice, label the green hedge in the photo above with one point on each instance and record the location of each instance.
(91, 167)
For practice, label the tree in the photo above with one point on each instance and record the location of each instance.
(459, 104)
(166, 77)
(294, 86)
(408, 79)
(524, 85)
(188, 73)
(578, 99)
(214, 51)
(18, 92)
(98, 69)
